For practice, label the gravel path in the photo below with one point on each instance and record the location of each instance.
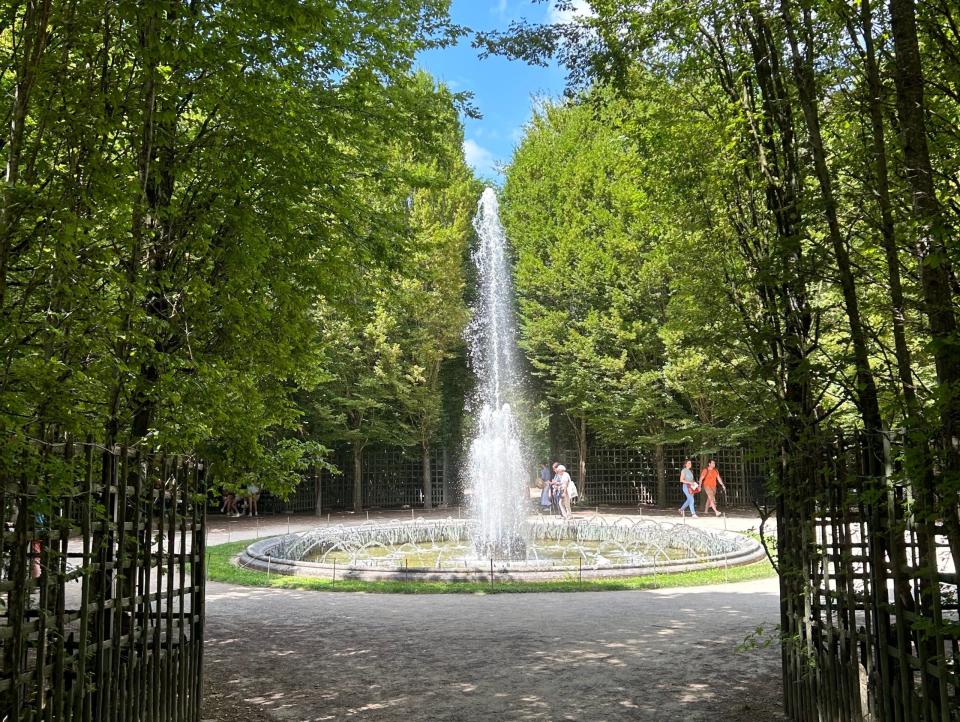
(652, 655)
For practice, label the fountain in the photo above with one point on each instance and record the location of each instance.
(496, 467)
(498, 539)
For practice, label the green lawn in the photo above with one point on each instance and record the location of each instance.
(220, 568)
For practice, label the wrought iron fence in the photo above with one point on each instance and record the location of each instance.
(103, 584)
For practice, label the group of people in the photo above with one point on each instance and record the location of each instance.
(709, 478)
(557, 490)
(245, 505)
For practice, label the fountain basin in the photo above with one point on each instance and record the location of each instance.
(443, 550)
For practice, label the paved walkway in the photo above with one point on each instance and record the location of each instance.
(653, 655)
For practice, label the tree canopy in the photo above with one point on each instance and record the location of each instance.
(214, 214)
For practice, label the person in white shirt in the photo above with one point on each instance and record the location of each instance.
(565, 481)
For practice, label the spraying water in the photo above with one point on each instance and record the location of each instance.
(497, 465)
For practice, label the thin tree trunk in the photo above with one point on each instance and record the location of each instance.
(357, 476)
(803, 71)
(317, 491)
(426, 475)
(887, 228)
(935, 267)
(777, 158)
(661, 476)
(34, 41)
(446, 476)
(582, 449)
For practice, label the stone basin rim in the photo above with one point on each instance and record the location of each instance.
(258, 556)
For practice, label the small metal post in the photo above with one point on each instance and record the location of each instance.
(258, 527)
(288, 523)
(491, 570)
(458, 512)
(580, 569)
(724, 515)
(334, 571)
(228, 531)
(328, 517)
(368, 515)
(412, 517)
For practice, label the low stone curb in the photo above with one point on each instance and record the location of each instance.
(257, 556)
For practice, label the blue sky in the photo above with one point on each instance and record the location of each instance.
(503, 90)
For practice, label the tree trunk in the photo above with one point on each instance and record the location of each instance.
(887, 228)
(935, 267)
(33, 39)
(318, 491)
(803, 71)
(582, 453)
(357, 476)
(446, 477)
(931, 231)
(426, 476)
(661, 476)
(778, 162)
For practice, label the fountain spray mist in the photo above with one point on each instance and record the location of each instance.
(497, 462)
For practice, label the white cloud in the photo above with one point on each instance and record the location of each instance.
(500, 9)
(579, 8)
(479, 158)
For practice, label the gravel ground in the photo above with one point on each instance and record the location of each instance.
(293, 655)
(300, 655)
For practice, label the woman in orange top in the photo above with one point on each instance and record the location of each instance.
(708, 480)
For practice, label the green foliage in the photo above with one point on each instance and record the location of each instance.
(197, 194)
(622, 294)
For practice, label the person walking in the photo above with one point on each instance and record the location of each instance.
(689, 486)
(709, 478)
(546, 490)
(555, 490)
(564, 481)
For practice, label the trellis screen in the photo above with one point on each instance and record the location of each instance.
(619, 475)
(103, 579)
(392, 477)
(869, 614)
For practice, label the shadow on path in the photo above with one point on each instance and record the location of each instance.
(663, 655)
